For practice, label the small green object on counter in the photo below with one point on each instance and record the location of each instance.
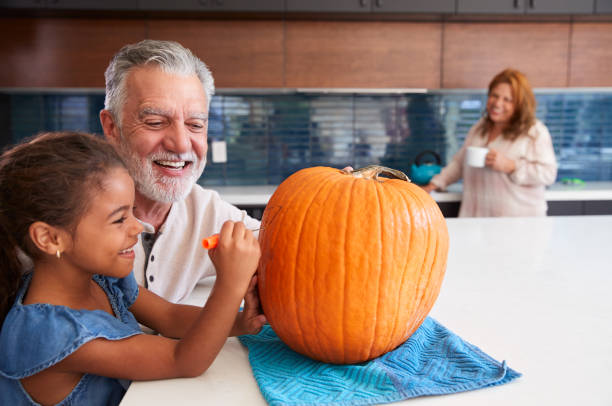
(572, 181)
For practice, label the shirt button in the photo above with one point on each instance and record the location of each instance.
(152, 258)
(151, 278)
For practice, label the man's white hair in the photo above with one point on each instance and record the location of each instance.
(169, 56)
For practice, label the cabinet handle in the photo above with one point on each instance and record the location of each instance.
(363, 3)
(531, 3)
(515, 4)
(379, 3)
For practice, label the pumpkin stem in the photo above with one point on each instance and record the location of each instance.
(372, 172)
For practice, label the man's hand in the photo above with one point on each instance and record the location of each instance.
(250, 319)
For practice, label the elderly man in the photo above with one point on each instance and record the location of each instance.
(156, 114)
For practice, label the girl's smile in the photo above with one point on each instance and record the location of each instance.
(105, 237)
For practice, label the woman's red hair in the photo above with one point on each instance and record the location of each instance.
(524, 104)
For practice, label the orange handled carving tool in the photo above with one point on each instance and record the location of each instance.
(212, 241)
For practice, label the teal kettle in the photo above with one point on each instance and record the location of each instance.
(423, 169)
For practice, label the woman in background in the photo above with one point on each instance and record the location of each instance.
(520, 161)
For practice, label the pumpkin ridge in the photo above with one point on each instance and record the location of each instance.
(415, 242)
(266, 223)
(374, 344)
(291, 201)
(432, 240)
(391, 332)
(368, 185)
(344, 262)
(306, 212)
(404, 298)
(424, 276)
(325, 279)
(354, 289)
(398, 221)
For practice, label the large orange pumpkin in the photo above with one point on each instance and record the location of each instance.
(351, 262)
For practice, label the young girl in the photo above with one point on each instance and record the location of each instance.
(72, 333)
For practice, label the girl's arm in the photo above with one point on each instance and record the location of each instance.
(145, 357)
(174, 320)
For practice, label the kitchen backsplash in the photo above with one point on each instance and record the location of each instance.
(270, 135)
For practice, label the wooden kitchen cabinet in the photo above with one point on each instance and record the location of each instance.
(213, 5)
(474, 53)
(92, 4)
(357, 54)
(579, 207)
(603, 6)
(598, 207)
(413, 6)
(491, 6)
(559, 6)
(525, 6)
(591, 55)
(62, 52)
(371, 6)
(23, 4)
(240, 53)
(71, 4)
(326, 6)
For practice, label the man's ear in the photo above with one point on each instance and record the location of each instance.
(47, 238)
(110, 128)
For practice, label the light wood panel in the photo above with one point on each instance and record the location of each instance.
(52, 52)
(240, 53)
(475, 52)
(591, 55)
(362, 54)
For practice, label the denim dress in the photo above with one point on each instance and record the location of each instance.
(37, 336)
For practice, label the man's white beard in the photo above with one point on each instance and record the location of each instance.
(155, 186)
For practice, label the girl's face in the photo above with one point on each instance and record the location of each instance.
(104, 238)
(500, 104)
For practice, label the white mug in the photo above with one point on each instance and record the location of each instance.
(475, 156)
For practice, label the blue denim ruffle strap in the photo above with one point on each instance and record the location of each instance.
(37, 336)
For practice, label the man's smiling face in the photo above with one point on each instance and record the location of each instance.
(163, 132)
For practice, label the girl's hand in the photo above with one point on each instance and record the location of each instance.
(250, 319)
(236, 256)
(499, 162)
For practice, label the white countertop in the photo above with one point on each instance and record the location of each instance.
(532, 291)
(259, 195)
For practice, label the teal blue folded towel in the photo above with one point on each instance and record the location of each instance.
(433, 361)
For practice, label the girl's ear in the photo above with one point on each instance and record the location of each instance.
(48, 239)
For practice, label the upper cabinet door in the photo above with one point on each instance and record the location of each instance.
(327, 6)
(491, 6)
(22, 3)
(92, 4)
(413, 6)
(560, 6)
(603, 6)
(213, 5)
